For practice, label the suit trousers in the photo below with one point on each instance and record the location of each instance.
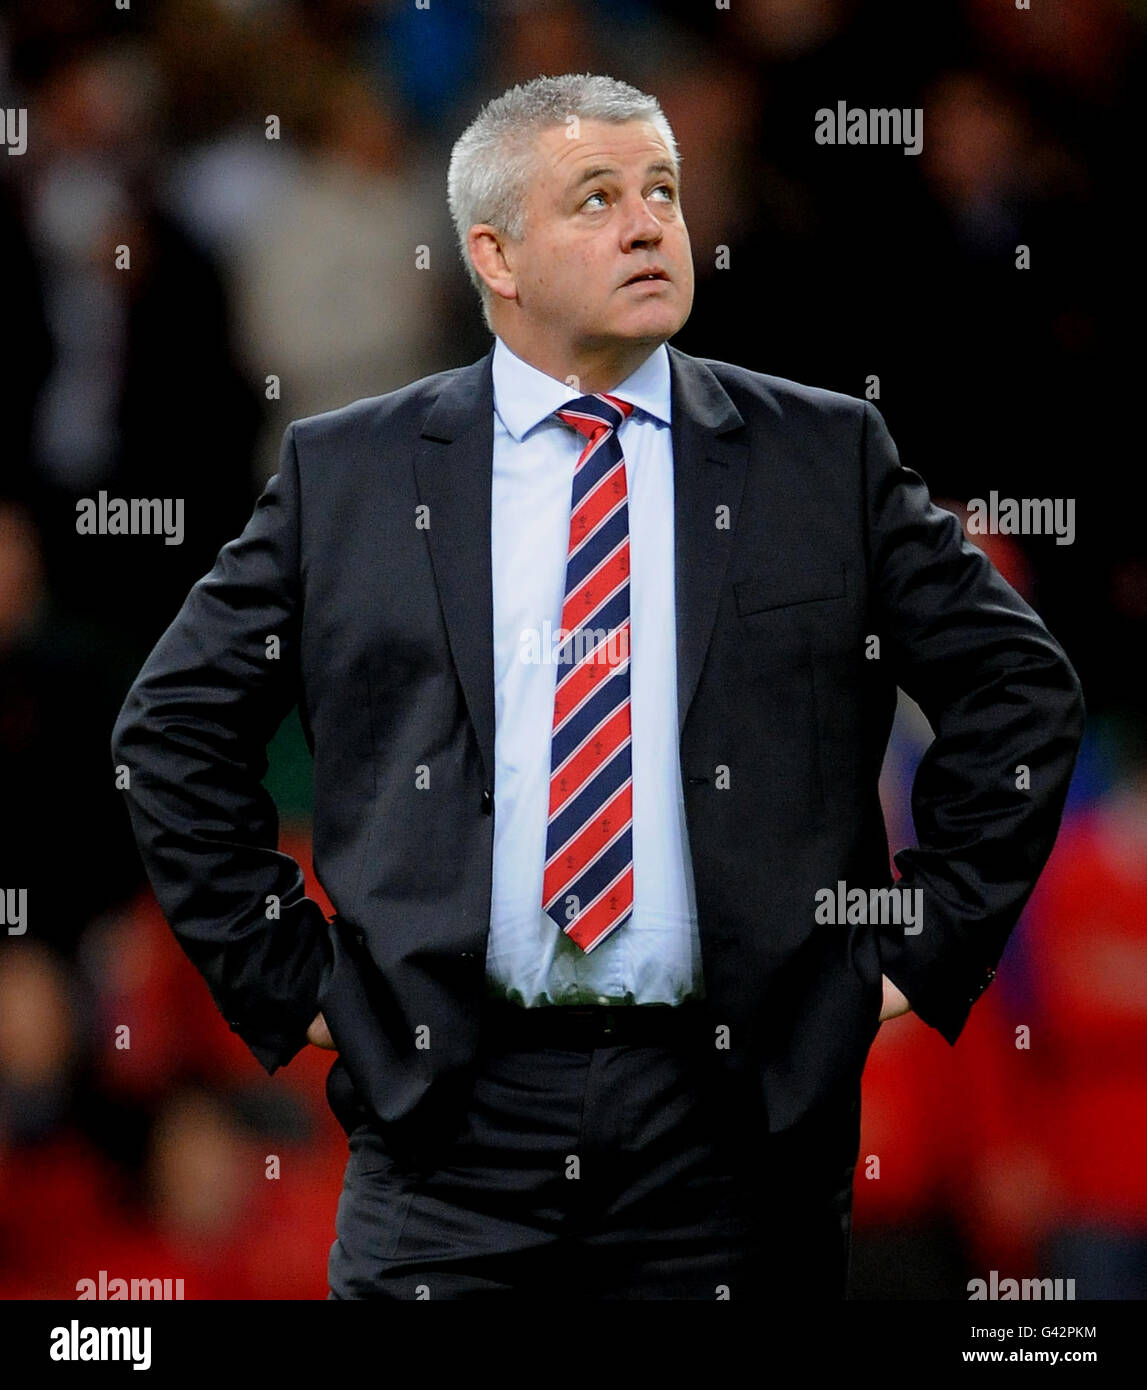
(623, 1170)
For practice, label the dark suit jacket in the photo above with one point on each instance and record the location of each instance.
(799, 536)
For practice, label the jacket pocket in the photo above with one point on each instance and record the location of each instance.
(779, 586)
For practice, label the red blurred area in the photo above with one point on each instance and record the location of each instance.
(1035, 1124)
(236, 1210)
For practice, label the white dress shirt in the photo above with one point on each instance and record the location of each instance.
(655, 955)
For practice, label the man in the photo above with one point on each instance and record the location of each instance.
(598, 1032)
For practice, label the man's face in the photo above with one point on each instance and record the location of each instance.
(602, 210)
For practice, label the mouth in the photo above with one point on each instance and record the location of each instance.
(641, 276)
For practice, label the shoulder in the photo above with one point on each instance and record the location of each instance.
(761, 395)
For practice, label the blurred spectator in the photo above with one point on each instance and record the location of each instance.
(37, 1052)
(63, 833)
(143, 398)
(1089, 953)
(331, 297)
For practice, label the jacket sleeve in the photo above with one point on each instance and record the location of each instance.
(192, 735)
(1001, 696)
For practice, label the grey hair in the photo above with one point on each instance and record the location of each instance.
(494, 158)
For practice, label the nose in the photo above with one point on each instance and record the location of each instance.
(642, 226)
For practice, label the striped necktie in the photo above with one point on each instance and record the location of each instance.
(588, 884)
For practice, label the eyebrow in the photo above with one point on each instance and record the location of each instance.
(660, 166)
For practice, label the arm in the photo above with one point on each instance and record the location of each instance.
(999, 692)
(193, 733)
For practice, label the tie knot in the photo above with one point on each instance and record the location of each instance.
(592, 414)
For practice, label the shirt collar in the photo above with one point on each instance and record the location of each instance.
(525, 396)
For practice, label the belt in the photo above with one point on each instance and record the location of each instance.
(583, 1027)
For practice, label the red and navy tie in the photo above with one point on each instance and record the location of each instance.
(588, 884)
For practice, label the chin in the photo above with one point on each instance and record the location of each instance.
(658, 332)
(662, 324)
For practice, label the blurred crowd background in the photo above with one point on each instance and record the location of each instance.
(294, 258)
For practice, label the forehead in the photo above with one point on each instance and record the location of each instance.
(626, 146)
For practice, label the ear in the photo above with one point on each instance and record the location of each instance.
(486, 247)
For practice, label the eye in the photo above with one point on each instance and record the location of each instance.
(666, 188)
(597, 194)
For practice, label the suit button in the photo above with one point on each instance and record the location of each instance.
(487, 801)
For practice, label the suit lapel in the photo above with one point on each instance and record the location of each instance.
(453, 472)
(709, 462)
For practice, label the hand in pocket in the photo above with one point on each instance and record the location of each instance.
(320, 1035)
